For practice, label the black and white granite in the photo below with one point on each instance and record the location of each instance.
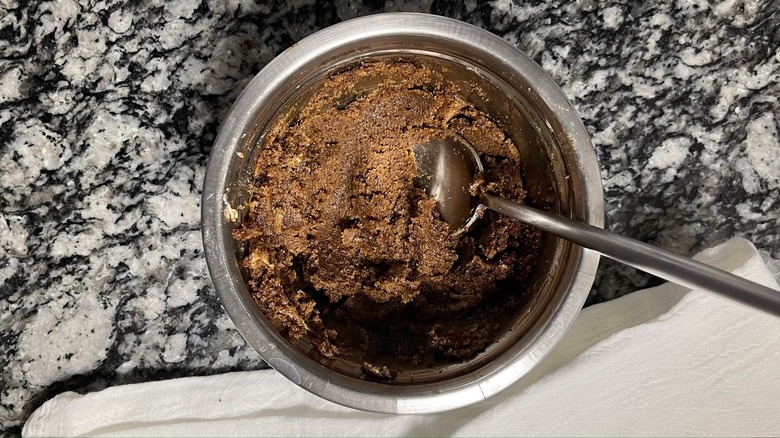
(108, 110)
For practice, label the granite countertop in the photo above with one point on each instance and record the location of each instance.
(108, 110)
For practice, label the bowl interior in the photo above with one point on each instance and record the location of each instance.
(548, 176)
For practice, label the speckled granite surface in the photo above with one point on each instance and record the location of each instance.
(108, 111)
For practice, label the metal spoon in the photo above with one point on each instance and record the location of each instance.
(449, 167)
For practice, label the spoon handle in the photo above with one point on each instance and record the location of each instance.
(661, 263)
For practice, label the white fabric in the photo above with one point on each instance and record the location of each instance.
(656, 362)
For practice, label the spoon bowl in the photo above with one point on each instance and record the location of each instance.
(450, 170)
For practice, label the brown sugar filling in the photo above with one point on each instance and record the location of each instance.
(345, 250)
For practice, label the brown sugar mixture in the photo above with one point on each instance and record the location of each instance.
(344, 250)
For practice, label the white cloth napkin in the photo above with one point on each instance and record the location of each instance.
(661, 361)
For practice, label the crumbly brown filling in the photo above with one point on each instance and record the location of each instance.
(344, 249)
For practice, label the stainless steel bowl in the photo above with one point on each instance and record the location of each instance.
(560, 170)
